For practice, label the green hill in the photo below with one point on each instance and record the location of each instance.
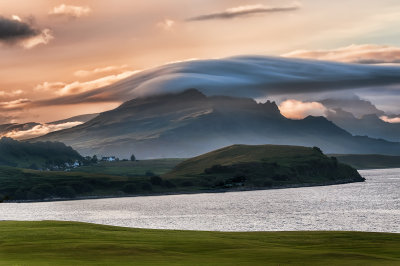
(35, 155)
(264, 166)
(369, 161)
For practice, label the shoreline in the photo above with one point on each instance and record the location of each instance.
(177, 193)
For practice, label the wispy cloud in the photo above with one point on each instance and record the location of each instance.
(14, 104)
(365, 54)
(99, 70)
(295, 109)
(246, 10)
(10, 94)
(39, 130)
(15, 31)
(166, 24)
(76, 87)
(69, 11)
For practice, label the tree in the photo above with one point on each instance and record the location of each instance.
(133, 158)
(94, 159)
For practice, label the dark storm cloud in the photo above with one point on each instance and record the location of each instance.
(244, 11)
(12, 30)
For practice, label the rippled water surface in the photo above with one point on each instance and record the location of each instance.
(370, 206)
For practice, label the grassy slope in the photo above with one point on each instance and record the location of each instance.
(241, 154)
(128, 168)
(369, 161)
(67, 243)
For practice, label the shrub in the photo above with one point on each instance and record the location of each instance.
(156, 180)
(65, 192)
(168, 184)
(129, 188)
(147, 186)
(187, 183)
(149, 173)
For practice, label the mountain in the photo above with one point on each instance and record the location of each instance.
(189, 123)
(367, 125)
(265, 165)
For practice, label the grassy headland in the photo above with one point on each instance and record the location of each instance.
(68, 243)
(265, 166)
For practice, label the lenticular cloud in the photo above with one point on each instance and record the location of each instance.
(248, 76)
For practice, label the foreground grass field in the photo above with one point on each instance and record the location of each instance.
(67, 243)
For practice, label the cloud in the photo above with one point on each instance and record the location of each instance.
(43, 38)
(70, 11)
(15, 31)
(295, 109)
(12, 30)
(76, 87)
(247, 10)
(14, 105)
(100, 70)
(364, 54)
(39, 130)
(390, 119)
(166, 24)
(358, 107)
(244, 76)
(5, 94)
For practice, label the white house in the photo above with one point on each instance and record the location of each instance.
(109, 159)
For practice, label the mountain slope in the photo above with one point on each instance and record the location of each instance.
(189, 123)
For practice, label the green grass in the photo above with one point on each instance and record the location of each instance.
(128, 168)
(68, 243)
(369, 161)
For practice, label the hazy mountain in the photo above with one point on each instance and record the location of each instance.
(78, 118)
(32, 129)
(190, 123)
(368, 125)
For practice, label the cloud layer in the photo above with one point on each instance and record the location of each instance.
(364, 54)
(247, 10)
(248, 76)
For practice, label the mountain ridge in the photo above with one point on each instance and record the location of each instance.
(190, 123)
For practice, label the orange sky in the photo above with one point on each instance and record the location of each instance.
(102, 41)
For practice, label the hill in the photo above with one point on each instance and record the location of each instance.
(189, 123)
(27, 243)
(35, 155)
(369, 161)
(265, 165)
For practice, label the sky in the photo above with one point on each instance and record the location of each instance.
(51, 49)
